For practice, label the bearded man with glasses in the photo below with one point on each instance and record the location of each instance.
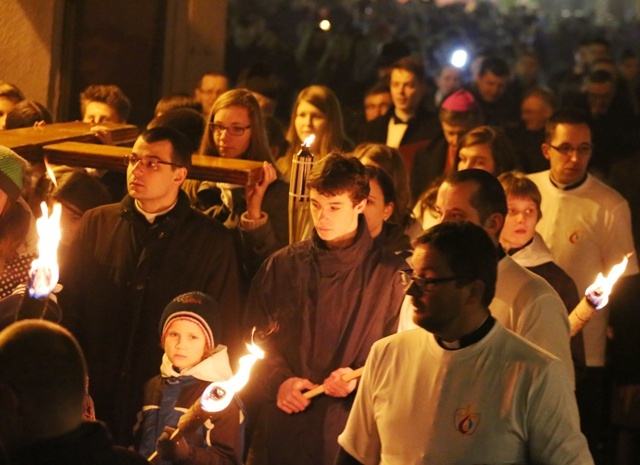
(130, 260)
(587, 226)
(460, 388)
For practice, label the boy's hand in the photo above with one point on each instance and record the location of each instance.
(172, 451)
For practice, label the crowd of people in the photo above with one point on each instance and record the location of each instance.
(454, 229)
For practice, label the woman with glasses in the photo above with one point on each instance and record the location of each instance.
(235, 129)
(316, 111)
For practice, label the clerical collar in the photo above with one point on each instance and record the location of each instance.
(150, 217)
(474, 336)
(518, 249)
(568, 187)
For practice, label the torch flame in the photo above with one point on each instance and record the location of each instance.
(600, 290)
(44, 272)
(218, 395)
(50, 172)
(309, 140)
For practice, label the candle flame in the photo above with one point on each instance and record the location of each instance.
(44, 272)
(218, 395)
(600, 290)
(309, 140)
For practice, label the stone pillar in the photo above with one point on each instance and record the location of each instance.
(30, 48)
(194, 42)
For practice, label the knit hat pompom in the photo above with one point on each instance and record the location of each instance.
(461, 100)
(198, 308)
(12, 169)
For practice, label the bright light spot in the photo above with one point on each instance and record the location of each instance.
(459, 58)
(43, 276)
(368, 11)
(325, 25)
(309, 140)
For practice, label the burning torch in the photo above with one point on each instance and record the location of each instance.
(595, 297)
(215, 398)
(44, 272)
(299, 216)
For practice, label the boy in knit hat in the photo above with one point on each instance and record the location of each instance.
(189, 329)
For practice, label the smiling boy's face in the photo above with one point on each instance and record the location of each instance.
(184, 344)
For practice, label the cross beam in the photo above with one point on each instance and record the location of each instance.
(68, 144)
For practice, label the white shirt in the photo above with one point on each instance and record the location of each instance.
(588, 230)
(395, 133)
(500, 400)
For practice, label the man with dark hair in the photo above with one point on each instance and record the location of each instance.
(524, 302)
(377, 101)
(209, 87)
(42, 393)
(10, 96)
(610, 115)
(489, 89)
(100, 103)
(130, 259)
(466, 390)
(331, 297)
(459, 113)
(407, 122)
(587, 226)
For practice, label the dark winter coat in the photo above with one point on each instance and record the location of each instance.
(123, 272)
(330, 307)
(88, 444)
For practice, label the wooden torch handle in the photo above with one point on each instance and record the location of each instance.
(357, 373)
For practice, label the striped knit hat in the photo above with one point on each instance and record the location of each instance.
(197, 308)
(12, 168)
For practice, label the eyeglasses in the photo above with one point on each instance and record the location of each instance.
(424, 284)
(147, 163)
(583, 150)
(217, 128)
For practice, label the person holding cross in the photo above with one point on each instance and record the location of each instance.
(130, 260)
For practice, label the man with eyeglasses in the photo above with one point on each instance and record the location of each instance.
(460, 388)
(524, 303)
(130, 260)
(587, 226)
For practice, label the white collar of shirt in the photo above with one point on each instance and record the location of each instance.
(150, 217)
(395, 132)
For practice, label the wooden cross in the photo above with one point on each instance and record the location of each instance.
(74, 144)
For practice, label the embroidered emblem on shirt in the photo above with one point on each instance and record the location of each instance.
(465, 421)
(575, 237)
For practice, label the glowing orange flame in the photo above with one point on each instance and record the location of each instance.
(309, 140)
(600, 290)
(218, 395)
(44, 269)
(50, 172)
